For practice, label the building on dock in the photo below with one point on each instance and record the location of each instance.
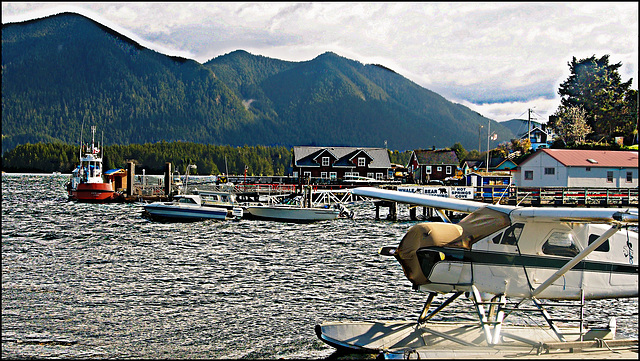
(335, 163)
(432, 165)
(578, 168)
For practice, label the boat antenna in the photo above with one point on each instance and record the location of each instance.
(93, 137)
(81, 134)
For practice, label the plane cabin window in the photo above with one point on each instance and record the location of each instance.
(601, 248)
(510, 236)
(560, 244)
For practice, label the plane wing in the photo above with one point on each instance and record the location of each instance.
(576, 215)
(539, 214)
(453, 204)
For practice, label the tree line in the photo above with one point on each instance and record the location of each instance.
(152, 157)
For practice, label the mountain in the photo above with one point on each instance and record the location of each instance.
(63, 73)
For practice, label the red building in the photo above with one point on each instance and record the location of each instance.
(334, 163)
(430, 165)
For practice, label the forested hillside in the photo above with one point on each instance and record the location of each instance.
(60, 71)
(64, 71)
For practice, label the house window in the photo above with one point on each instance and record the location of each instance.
(609, 176)
(333, 175)
(528, 175)
(325, 161)
(307, 174)
(439, 169)
(428, 169)
(549, 171)
(448, 169)
(370, 175)
(295, 174)
(362, 162)
(629, 177)
(323, 175)
(379, 176)
(588, 169)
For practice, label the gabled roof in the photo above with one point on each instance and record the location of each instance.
(497, 162)
(533, 130)
(347, 160)
(304, 156)
(591, 158)
(474, 163)
(321, 152)
(430, 157)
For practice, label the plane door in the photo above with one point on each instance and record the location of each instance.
(558, 248)
(505, 272)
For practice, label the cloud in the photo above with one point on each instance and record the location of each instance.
(484, 54)
(541, 109)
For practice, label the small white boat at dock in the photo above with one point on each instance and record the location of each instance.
(191, 207)
(289, 213)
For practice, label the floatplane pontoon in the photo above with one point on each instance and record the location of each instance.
(505, 260)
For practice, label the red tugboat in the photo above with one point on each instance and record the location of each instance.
(86, 183)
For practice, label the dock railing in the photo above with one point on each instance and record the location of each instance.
(503, 194)
(558, 196)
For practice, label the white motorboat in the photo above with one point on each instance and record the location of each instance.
(289, 213)
(191, 207)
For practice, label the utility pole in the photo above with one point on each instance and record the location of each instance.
(488, 137)
(529, 125)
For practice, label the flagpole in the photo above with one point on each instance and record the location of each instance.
(488, 136)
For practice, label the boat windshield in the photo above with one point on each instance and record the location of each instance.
(187, 200)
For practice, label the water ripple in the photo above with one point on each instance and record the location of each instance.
(101, 281)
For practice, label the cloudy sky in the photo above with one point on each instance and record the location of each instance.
(499, 59)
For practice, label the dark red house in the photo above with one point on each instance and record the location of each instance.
(436, 164)
(334, 163)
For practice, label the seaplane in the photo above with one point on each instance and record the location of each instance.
(506, 260)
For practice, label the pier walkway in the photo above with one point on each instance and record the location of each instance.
(494, 194)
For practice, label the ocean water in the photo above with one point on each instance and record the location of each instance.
(101, 281)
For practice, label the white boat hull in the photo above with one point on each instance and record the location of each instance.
(292, 214)
(168, 211)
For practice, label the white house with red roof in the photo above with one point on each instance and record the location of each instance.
(578, 168)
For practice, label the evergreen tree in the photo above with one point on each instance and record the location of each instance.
(595, 86)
